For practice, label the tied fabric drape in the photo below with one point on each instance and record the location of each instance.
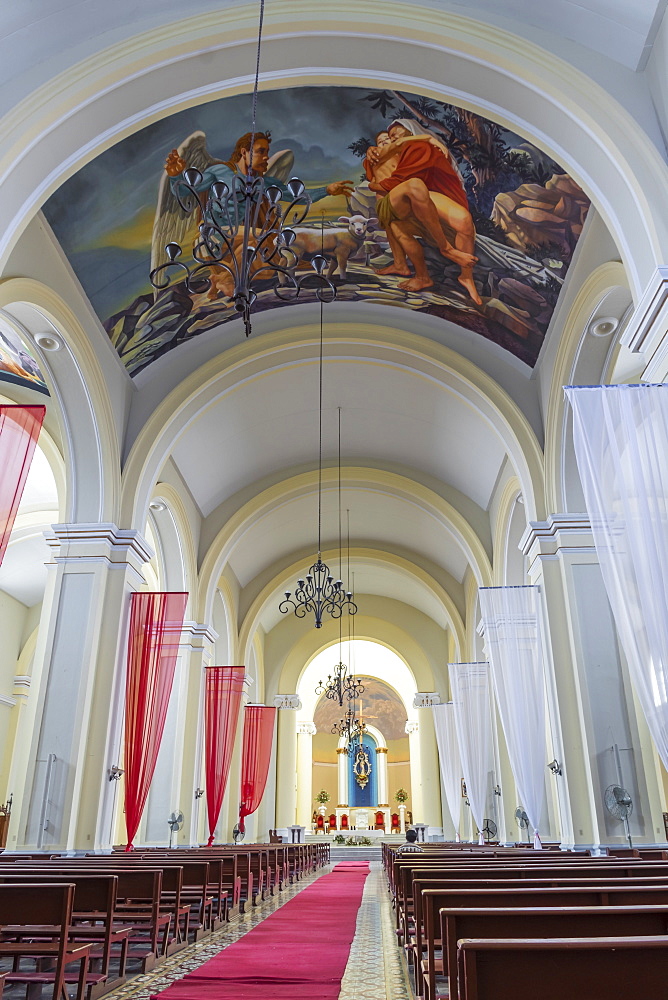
(156, 621)
(222, 701)
(469, 683)
(620, 435)
(511, 619)
(258, 737)
(19, 430)
(448, 755)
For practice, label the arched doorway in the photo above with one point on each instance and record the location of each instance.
(387, 708)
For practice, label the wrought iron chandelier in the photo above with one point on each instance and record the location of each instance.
(319, 592)
(351, 729)
(340, 685)
(244, 232)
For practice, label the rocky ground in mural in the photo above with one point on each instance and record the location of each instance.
(519, 291)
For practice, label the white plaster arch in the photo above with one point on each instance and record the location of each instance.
(172, 530)
(510, 524)
(489, 70)
(275, 588)
(386, 665)
(78, 396)
(581, 359)
(398, 349)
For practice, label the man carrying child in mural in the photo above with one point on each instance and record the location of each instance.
(420, 194)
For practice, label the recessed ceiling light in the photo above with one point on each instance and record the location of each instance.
(48, 341)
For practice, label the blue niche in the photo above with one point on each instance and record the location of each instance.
(367, 796)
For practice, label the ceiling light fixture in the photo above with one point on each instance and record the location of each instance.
(319, 592)
(244, 233)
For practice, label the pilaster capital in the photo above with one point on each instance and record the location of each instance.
(645, 331)
(197, 637)
(381, 749)
(411, 727)
(289, 701)
(98, 542)
(22, 684)
(425, 699)
(559, 534)
(341, 750)
(306, 729)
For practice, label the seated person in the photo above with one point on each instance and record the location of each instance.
(410, 845)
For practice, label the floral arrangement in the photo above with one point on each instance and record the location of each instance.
(339, 839)
(358, 841)
(401, 796)
(322, 797)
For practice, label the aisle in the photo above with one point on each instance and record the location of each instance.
(376, 968)
(299, 951)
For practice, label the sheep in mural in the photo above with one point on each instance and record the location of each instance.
(338, 243)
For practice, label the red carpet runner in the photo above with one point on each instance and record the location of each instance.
(300, 951)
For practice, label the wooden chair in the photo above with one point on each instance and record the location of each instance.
(344, 821)
(332, 822)
(394, 823)
(379, 823)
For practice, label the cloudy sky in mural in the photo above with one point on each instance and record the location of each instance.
(507, 216)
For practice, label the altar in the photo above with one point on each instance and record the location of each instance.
(362, 818)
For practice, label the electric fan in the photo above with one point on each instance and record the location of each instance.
(523, 822)
(175, 822)
(619, 804)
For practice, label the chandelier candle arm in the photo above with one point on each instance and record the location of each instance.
(244, 232)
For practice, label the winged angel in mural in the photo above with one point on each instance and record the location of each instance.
(173, 224)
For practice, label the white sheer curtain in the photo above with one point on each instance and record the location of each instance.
(511, 619)
(620, 434)
(469, 683)
(448, 755)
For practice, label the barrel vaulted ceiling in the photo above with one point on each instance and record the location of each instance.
(441, 395)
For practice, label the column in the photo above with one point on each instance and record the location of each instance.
(178, 770)
(430, 812)
(286, 762)
(590, 702)
(79, 676)
(305, 733)
(412, 728)
(342, 774)
(382, 786)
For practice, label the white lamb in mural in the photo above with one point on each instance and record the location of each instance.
(336, 244)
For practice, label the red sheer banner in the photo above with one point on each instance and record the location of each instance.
(258, 737)
(222, 701)
(19, 430)
(156, 621)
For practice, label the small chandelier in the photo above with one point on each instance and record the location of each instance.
(243, 233)
(319, 592)
(340, 685)
(350, 728)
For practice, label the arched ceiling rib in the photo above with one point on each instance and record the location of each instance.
(48, 38)
(390, 414)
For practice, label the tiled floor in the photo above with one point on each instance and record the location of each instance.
(375, 971)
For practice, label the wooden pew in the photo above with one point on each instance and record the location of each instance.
(93, 911)
(543, 922)
(581, 968)
(431, 901)
(139, 904)
(34, 906)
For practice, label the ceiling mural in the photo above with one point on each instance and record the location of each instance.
(17, 364)
(418, 204)
(380, 706)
